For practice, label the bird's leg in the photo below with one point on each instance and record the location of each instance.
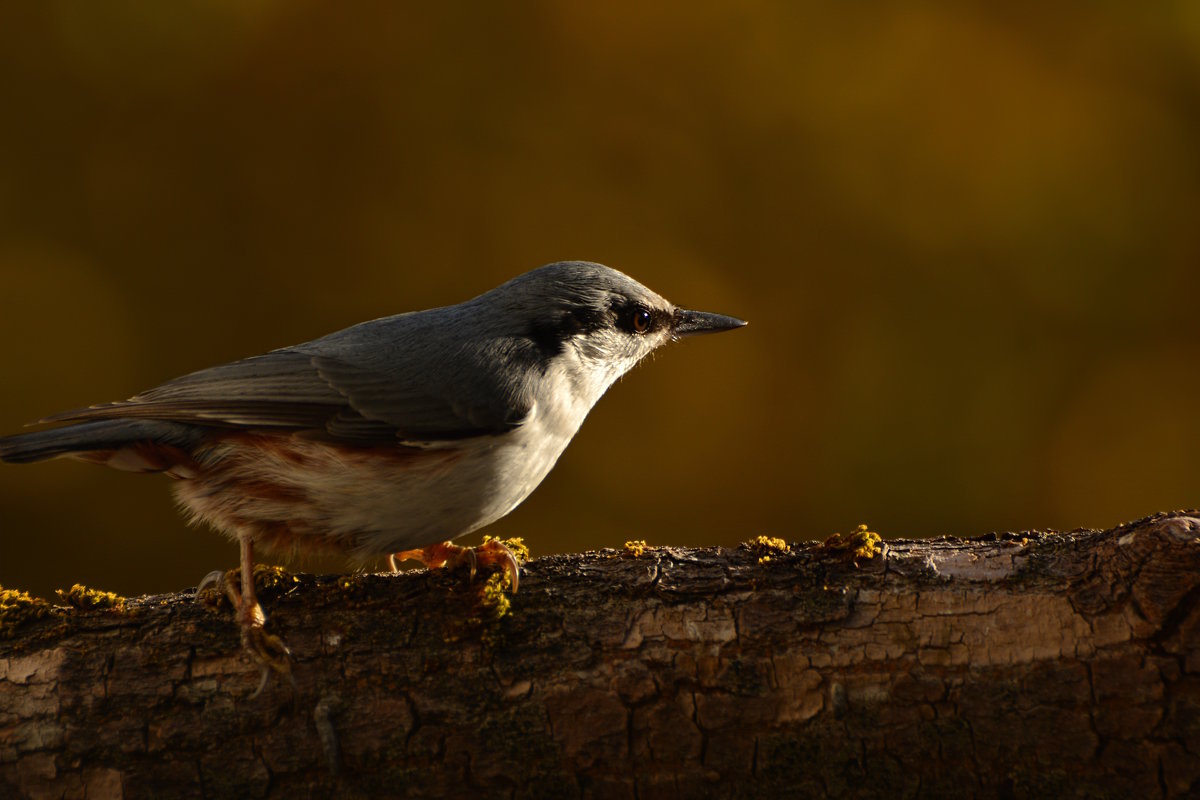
(267, 649)
(492, 553)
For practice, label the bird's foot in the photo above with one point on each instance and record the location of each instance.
(271, 653)
(268, 650)
(492, 553)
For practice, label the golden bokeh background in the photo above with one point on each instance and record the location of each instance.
(966, 237)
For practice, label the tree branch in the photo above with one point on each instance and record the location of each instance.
(1014, 664)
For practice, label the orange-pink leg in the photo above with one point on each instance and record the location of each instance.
(492, 553)
(267, 649)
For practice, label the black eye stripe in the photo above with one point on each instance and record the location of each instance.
(550, 332)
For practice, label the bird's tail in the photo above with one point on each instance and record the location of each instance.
(139, 445)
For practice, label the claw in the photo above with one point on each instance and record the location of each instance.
(260, 645)
(493, 552)
(214, 578)
(268, 650)
(218, 580)
(497, 553)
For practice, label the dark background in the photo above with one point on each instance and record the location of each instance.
(967, 240)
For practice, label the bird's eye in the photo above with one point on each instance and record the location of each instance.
(640, 320)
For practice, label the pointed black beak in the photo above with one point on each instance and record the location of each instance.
(691, 323)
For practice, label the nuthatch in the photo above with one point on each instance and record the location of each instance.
(388, 438)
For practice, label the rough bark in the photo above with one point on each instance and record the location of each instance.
(1035, 664)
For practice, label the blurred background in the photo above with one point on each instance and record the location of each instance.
(967, 240)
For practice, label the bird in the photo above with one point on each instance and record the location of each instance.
(389, 438)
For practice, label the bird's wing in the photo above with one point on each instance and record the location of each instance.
(298, 390)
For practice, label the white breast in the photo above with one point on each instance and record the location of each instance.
(369, 502)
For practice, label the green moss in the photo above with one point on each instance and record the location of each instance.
(83, 598)
(861, 544)
(17, 608)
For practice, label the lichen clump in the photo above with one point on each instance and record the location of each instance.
(494, 606)
(17, 608)
(636, 547)
(767, 546)
(862, 543)
(84, 598)
(494, 597)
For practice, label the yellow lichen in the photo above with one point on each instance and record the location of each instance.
(769, 543)
(81, 597)
(17, 608)
(516, 545)
(494, 597)
(636, 547)
(767, 546)
(862, 543)
(493, 607)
